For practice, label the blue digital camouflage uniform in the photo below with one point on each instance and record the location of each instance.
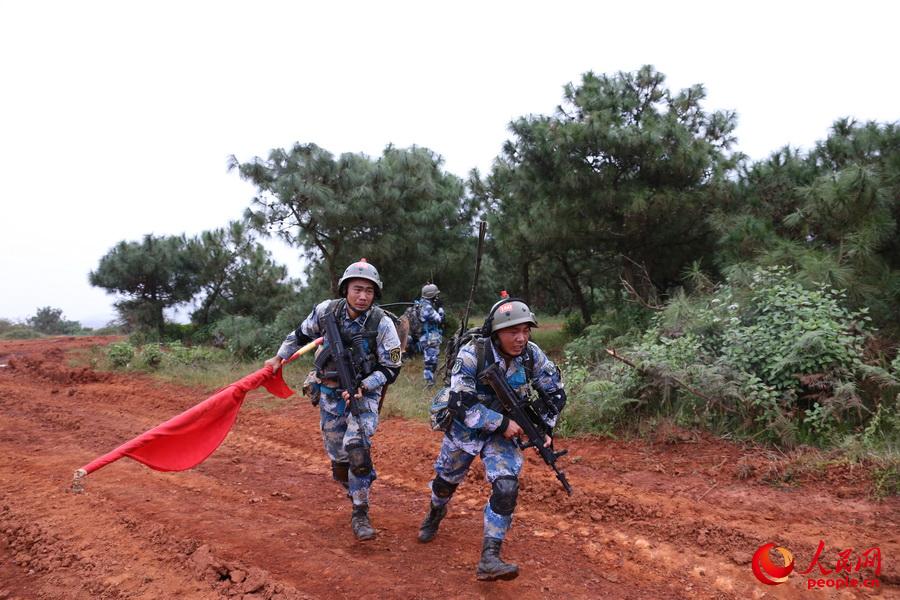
(479, 435)
(430, 342)
(339, 428)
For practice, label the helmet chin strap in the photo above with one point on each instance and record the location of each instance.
(355, 312)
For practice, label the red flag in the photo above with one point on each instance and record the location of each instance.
(186, 440)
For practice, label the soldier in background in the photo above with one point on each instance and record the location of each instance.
(431, 314)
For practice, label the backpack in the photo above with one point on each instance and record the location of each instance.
(414, 315)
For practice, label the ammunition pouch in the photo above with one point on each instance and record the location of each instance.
(312, 388)
(441, 413)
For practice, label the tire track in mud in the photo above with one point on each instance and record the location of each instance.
(262, 519)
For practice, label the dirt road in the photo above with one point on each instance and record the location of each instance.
(261, 518)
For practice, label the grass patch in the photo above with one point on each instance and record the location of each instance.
(551, 336)
(874, 472)
(210, 370)
(21, 333)
(407, 397)
(86, 357)
(216, 374)
(886, 480)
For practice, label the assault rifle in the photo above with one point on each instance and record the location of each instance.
(348, 375)
(527, 418)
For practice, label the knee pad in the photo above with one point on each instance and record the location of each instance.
(360, 460)
(505, 493)
(340, 471)
(442, 488)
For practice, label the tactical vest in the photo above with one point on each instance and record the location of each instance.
(363, 344)
(515, 381)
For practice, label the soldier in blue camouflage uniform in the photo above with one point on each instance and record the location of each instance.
(431, 314)
(482, 429)
(351, 461)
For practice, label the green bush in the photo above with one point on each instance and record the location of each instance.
(120, 354)
(180, 332)
(6, 325)
(597, 404)
(20, 332)
(886, 481)
(784, 331)
(762, 356)
(140, 337)
(451, 323)
(247, 339)
(883, 429)
(574, 324)
(150, 357)
(194, 356)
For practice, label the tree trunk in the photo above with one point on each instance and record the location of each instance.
(160, 319)
(638, 278)
(526, 281)
(208, 302)
(575, 288)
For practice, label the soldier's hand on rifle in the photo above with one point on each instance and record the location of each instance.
(346, 395)
(548, 441)
(275, 362)
(512, 430)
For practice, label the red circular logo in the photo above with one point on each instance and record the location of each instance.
(766, 570)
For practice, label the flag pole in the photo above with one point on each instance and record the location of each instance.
(305, 349)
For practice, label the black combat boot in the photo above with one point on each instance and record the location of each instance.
(359, 521)
(491, 566)
(428, 528)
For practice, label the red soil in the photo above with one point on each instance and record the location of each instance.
(680, 517)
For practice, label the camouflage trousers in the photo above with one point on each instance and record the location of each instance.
(431, 361)
(340, 429)
(501, 458)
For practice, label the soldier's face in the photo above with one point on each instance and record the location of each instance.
(513, 339)
(360, 294)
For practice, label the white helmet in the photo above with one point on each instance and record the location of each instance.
(430, 291)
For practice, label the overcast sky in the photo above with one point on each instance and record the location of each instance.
(117, 118)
